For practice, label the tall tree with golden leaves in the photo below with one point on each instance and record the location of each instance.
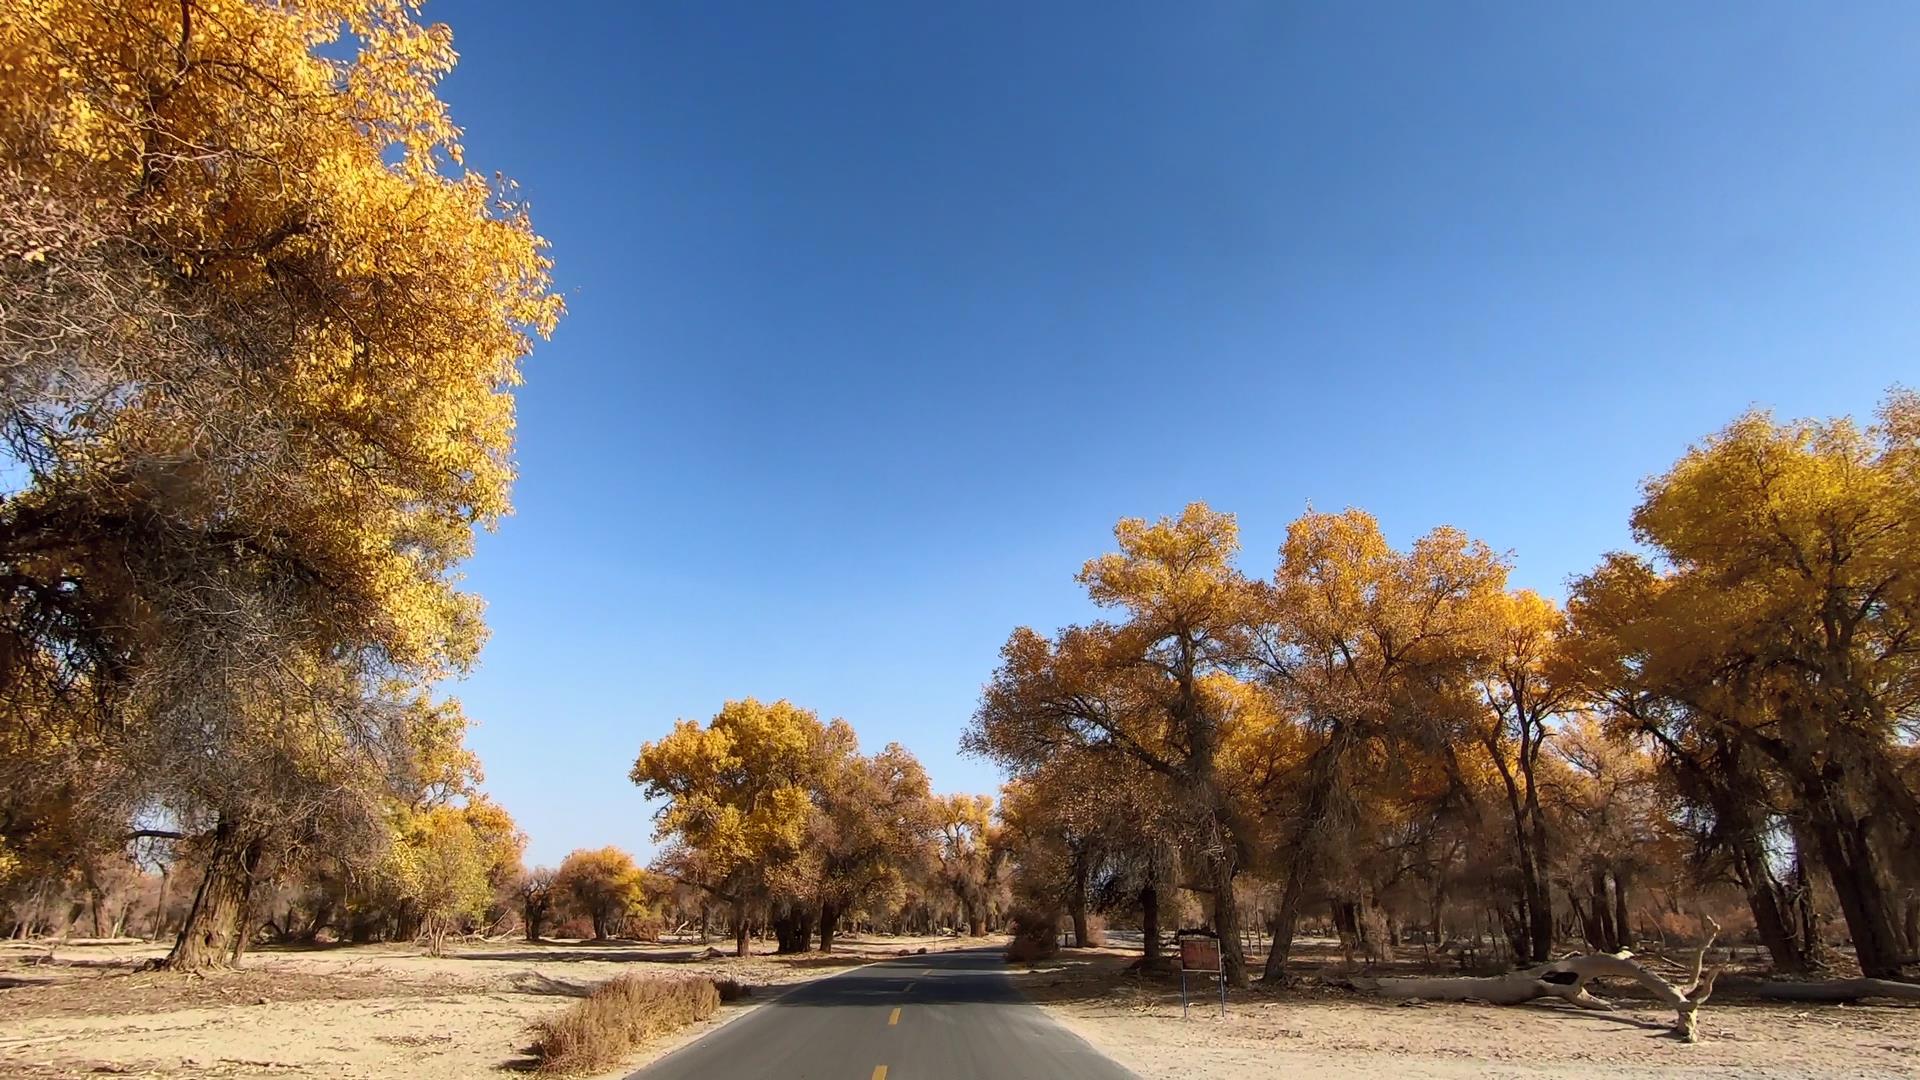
(258, 333)
(1139, 686)
(1787, 621)
(1361, 642)
(739, 795)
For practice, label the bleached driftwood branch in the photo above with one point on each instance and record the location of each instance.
(1566, 979)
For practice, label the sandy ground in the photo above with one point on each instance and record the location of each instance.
(1335, 1033)
(381, 1012)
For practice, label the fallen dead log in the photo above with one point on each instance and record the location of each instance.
(1829, 991)
(1567, 980)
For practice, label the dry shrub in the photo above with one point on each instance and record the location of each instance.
(1036, 936)
(1096, 932)
(604, 1027)
(731, 989)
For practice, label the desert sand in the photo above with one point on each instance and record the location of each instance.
(1328, 1032)
(386, 1012)
(372, 1012)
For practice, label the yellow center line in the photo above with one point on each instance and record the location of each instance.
(895, 1018)
(879, 1072)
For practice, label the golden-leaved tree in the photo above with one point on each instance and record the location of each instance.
(971, 856)
(603, 884)
(868, 836)
(1365, 647)
(780, 816)
(738, 796)
(1140, 686)
(1775, 647)
(447, 861)
(259, 329)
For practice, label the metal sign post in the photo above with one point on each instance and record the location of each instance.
(1200, 955)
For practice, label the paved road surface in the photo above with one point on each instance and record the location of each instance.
(942, 1016)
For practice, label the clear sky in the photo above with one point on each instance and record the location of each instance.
(882, 314)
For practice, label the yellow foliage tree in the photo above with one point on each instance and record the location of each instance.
(603, 884)
(1363, 644)
(1139, 686)
(740, 792)
(1780, 637)
(445, 863)
(268, 326)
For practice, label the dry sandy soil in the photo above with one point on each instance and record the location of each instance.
(1329, 1032)
(380, 1012)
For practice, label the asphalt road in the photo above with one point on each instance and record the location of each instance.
(942, 1016)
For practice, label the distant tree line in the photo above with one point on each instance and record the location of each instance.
(775, 822)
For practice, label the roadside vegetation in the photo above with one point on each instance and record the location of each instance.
(621, 1014)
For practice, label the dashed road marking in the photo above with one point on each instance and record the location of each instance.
(895, 1018)
(879, 1072)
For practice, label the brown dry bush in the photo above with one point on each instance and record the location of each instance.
(1036, 936)
(620, 1014)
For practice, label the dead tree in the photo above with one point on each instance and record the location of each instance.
(1567, 980)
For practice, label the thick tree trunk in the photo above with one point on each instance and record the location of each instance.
(1774, 908)
(792, 930)
(1854, 870)
(214, 934)
(1226, 920)
(829, 918)
(1285, 920)
(1606, 939)
(742, 945)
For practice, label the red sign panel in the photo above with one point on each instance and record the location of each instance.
(1200, 954)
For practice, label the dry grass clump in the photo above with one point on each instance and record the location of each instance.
(604, 1027)
(731, 989)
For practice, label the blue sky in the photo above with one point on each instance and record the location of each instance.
(882, 314)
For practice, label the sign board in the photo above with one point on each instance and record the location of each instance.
(1199, 954)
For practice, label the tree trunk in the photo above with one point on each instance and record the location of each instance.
(1622, 930)
(1566, 979)
(829, 918)
(1285, 919)
(160, 905)
(1226, 920)
(1609, 937)
(214, 934)
(792, 929)
(1077, 904)
(1851, 865)
(741, 945)
(1836, 990)
(1771, 903)
(1150, 919)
